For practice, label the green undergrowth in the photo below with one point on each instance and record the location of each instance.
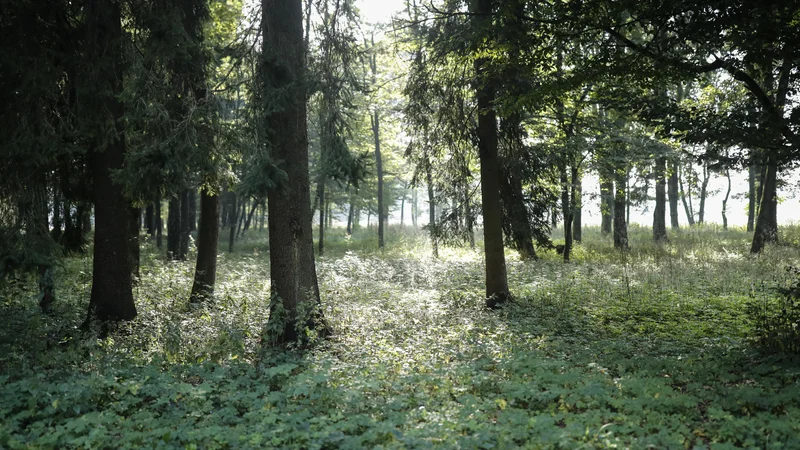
(653, 348)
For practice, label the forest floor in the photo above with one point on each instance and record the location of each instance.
(662, 347)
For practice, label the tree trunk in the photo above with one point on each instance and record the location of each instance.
(606, 204)
(249, 220)
(566, 212)
(577, 209)
(767, 222)
(403, 208)
(620, 201)
(686, 205)
(158, 223)
(660, 213)
(291, 244)
(112, 295)
(183, 250)
(701, 213)
(496, 281)
(379, 170)
(752, 197)
(725, 200)
(516, 213)
(133, 241)
(205, 273)
(672, 193)
(431, 210)
(321, 200)
(414, 207)
(351, 212)
(149, 224)
(233, 219)
(173, 228)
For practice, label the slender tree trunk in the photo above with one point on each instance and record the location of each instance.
(672, 192)
(351, 212)
(703, 193)
(606, 204)
(660, 213)
(158, 223)
(431, 210)
(577, 209)
(496, 281)
(233, 219)
(173, 228)
(414, 207)
(403, 208)
(321, 231)
(628, 199)
(57, 218)
(183, 250)
(725, 200)
(620, 201)
(249, 220)
(205, 273)
(292, 269)
(752, 197)
(133, 241)
(766, 230)
(149, 224)
(112, 294)
(566, 212)
(379, 170)
(686, 205)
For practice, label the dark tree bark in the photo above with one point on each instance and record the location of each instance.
(205, 273)
(496, 281)
(577, 209)
(350, 212)
(379, 169)
(112, 295)
(660, 212)
(185, 226)
(321, 231)
(292, 269)
(174, 228)
(566, 212)
(253, 207)
(766, 230)
(606, 204)
(672, 193)
(620, 201)
(516, 214)
(686, 204)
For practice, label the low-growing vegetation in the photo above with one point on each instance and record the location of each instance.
(673, 346)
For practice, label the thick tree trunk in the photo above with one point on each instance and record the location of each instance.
(767, 222)
(205, 273)
(660, 212)
(672, 193)
(577, 209)
(620, 201)
(291, 244)
(606, 205)
(496, 281)
(112, 295)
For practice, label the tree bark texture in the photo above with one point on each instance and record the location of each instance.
(606, 205)
(660, 212)
(766, 230)
(205, 273)
(620, 201)
(672, 193)
(292, 269)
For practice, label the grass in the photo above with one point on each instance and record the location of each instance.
(653, 348)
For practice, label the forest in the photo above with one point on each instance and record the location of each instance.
(475, 224)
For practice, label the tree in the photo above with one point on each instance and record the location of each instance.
(660, 212)
(112, 296)
(295, 292)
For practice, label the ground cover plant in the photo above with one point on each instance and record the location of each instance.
(663, 346)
